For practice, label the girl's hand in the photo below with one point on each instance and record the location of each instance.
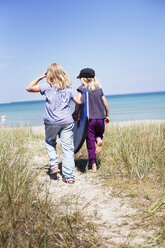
(76, 118)
(43, 75)
(107, 120)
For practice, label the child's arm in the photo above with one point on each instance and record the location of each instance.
(77, 107)
(77, 99)
(106, 109)
(33, 87)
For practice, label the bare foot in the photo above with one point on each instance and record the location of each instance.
(99, 147)
(94, 168)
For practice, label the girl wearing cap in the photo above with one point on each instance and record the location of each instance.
(98, 113)
(58, 118)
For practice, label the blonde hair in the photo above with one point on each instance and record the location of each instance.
(57, 77)
(90, 83)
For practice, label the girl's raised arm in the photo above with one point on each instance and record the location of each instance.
(33, 87)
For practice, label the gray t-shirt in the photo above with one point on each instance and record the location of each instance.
(95, 103)
(57, 109)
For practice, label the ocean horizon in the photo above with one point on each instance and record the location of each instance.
(123, 107)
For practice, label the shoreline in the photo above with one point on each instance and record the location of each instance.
(106, 95)
(40, 129)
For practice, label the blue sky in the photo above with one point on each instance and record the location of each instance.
(122, 40)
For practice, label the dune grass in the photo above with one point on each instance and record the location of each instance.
(133, 163)
(135, 152)
(26, 220)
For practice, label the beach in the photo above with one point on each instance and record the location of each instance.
(96, 62)
(114, 203)
(109, 215)
(40, 130)
(128, 107)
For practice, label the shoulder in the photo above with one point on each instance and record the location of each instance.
(44, 87)
(81, 89)
(100, 91)
(69, 90)
(97, 91)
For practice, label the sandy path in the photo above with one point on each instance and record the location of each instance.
(113, 215)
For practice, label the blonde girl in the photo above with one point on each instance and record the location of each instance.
(58, 119)
(98, 113)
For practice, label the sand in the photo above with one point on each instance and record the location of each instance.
(113, 215)
(41, 129)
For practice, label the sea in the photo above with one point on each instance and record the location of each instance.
(127, 107)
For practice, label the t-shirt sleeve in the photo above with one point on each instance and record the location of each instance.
(73, 93)
(43, 87)
(102, 93)
(80, 89)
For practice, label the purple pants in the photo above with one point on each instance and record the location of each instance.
(95, 129)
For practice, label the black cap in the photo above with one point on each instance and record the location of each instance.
(86, 73)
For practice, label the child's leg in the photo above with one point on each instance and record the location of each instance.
(94, 168)
(67, 148)
(100, 127)
(99, 141)
(90, 141)
(50, 144)
(99, 147)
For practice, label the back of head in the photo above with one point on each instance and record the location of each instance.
(57, 77)
(90, 83)
(87, 77)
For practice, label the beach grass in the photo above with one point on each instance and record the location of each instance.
(133, 164)
(26, 219)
